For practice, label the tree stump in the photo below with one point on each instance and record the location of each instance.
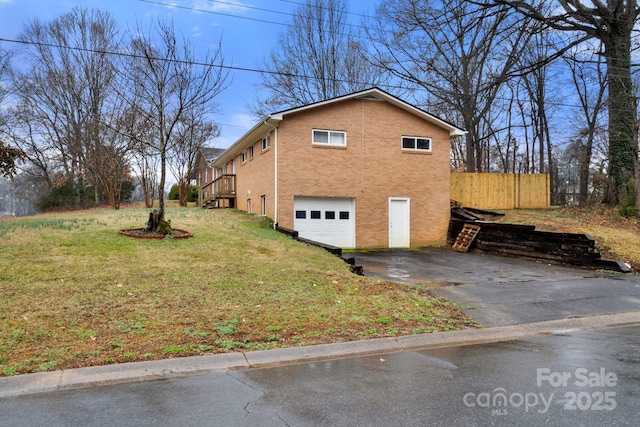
(152, 224)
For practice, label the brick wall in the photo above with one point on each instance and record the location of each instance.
(255, 178)
(372, 168)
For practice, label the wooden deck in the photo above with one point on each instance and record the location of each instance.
(221, 192)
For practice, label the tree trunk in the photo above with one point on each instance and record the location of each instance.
(148, 197)
(584, 174)
(637, 187)
(552, 167)
(470, 151)
(183, 193)
(622, 149)
(163, 173)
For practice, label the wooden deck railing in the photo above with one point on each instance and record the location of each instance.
(223, 187)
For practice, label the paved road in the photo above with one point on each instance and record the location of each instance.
(566, 378)
(498, 291)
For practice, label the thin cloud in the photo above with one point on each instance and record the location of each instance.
(218, 6)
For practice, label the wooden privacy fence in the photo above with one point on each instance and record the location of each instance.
(501, 190)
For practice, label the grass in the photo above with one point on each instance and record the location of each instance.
(75, 293)
(616, 236)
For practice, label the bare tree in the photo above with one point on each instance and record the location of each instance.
(25, 131)
(535, 86)
(317, 57)
(109, 157)
(165, 84)
(5, 69)
(611, 22)
(192, 135)
(146, 162)
(8, 155)
(588, 78)
(144, 157)
(458, 53)
(63, 94)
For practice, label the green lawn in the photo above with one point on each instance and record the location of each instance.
(73, 292)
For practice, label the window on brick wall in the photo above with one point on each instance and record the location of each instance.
(329, 137)
(416, 143)
(266, 143)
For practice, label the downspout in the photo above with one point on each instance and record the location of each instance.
(362, 149)
(275, 189)
(275, 171)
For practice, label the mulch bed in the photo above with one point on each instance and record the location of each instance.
(141, 233)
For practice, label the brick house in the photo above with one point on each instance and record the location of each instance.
(364, 170)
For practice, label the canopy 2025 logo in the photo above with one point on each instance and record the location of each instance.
(589, 391)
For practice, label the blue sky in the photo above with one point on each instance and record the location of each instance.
(249, 30)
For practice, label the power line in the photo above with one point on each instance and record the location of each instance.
(136, 56)
(361, 15)
(221, 66)
(265, 21)
(291, 15)
(193, 9)
(177, 61)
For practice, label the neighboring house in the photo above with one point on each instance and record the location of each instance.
(364, 170)
(204, 170)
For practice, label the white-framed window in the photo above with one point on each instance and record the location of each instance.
(417, 143)
(329, 137)
(263, 205)
(249, 210)
(266, 143)
(244, 156)
(250, 152)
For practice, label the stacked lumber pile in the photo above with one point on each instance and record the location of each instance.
(458, 210)
(525, 241)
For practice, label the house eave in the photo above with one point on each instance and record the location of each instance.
(380, 95)
(267, 123)
(259, 130)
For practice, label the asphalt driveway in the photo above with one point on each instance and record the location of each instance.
(498, 291)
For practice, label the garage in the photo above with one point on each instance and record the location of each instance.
(328, 220)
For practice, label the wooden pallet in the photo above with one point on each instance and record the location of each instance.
(466, 236)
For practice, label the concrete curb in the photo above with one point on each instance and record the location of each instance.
(157, 369)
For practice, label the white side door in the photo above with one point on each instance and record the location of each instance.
(399, 225)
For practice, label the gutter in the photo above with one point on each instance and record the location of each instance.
(275, 172)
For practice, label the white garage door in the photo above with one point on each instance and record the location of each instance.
(329, 220)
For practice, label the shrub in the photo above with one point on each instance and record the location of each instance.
(174, 193)
(193, 193)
